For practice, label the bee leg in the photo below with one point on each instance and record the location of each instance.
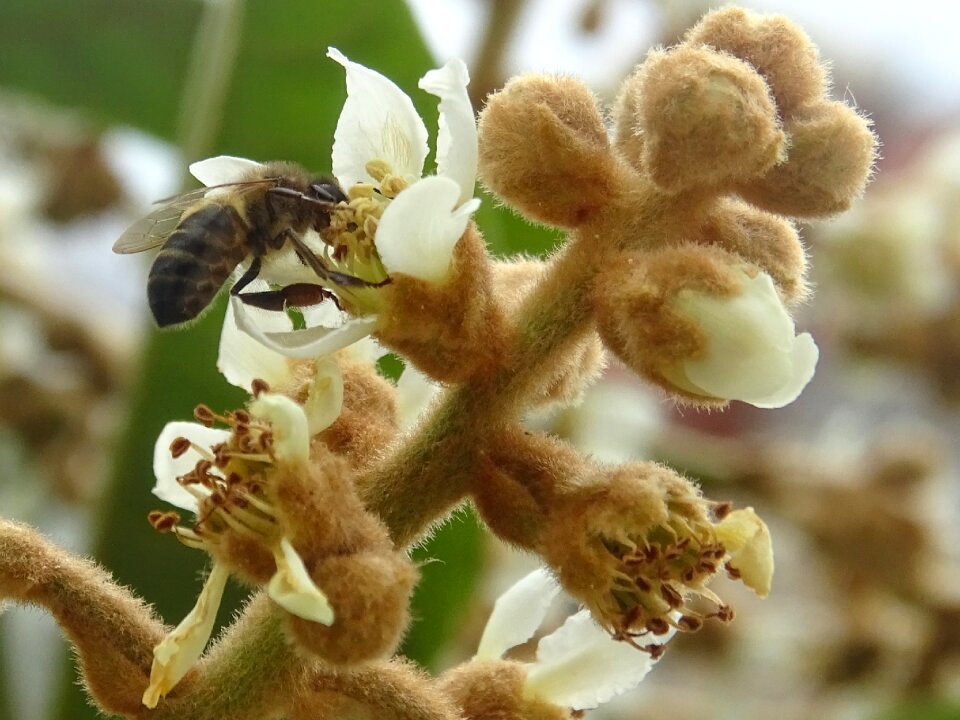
(247, 277)
(324, 273)
(296, 295)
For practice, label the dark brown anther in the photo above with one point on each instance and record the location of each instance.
(724, 614)
(242, 417)
(578, 714)
(221, 454)
(204, 415)
(234, 479)
(658, 626)
(655, 651)
(651, 553)
(689, 623)
(673, 598)
(217, 498)
(163, 521)
(707, 566)
(732, 571)
(630, 618)
(179, 446)
(722, 509)
(643, 584)
(688, 575)
(258, 386)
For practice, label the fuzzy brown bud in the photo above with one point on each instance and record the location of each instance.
(636, 318)
(544, 149)
(829, 162)
(494, 689)
(768, 241)
(707, 119)
(779, 50)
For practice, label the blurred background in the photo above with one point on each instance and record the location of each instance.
(103, 103)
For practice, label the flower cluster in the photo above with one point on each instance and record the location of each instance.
(679, 260)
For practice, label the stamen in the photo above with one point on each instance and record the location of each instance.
(179, 446)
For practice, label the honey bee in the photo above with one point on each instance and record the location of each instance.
(207, 233)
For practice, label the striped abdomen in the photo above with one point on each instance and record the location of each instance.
(195, 261)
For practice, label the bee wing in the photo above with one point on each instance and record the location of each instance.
(152, 230)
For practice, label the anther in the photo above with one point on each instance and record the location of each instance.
(658, 626)
(163, 521)
(722, 509)
(204, 415)
(673, 598)
(179, 446)
(258, 386)
(689, 623)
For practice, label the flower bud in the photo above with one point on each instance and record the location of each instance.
(830, 159)
(495, 689)
(768, 241)
(703, 325)
(779, 50)
(707, 119)
(544, 149)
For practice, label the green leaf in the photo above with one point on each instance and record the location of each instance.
(451, 566)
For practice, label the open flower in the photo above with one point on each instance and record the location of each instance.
(394, 221)
(752, 352)
(221, 476)
(579, 665)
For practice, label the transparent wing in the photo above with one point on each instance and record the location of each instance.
(152, 230)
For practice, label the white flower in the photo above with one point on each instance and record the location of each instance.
(290, 427)
(578, 666)
(747, 539)
(181, 648)
(418, 220)
(752, 351)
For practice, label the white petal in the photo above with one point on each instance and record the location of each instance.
(325, 397)
(304, 344)
(292, 588)
(457, 136)
(166, 468)
(378, 122)
(242, 359)
(747, 538)
(415, 391)
(222, 169)
(580, 666)
(752, 352)
(420, 228)
(291, 437)
(181, 648)
(517, 614)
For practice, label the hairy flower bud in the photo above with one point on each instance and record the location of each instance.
(829, 161)
(779, 50)
(544, 149)
(768, 241)
(495, 689)
(707, 119)
(703, 325)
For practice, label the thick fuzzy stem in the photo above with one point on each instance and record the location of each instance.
(113, 632)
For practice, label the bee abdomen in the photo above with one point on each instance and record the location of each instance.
(194, 263)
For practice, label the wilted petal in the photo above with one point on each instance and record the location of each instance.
(580, 666)
(752, 353)
(180, 650)
(291, 438)
(420, 228)
(222, 169)
(378, 122)
(242, 358)
(292, 588)
(747, 539)
(304, 344)
(325, 397)
(166, 468)
(517, 614)
(457, 136)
